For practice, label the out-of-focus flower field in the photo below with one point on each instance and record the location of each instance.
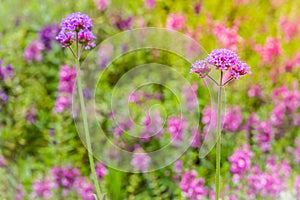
(41, 153)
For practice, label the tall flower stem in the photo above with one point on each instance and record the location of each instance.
(85, 122)
(218, 148)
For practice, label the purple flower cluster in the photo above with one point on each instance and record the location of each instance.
(271, 181)
(85, 189)
(224, 60)
(43, 188)
(102, 4)
(178, 167)
(48, 34)
(76, 25)
(3, 96)
(297, 186)
(65, 89)
(209, 119)
(152, 126)
(255, 91)
(264, 135)
(101, 171)
(176, 127)
(192, 186)
(31, 115)
(233, 119)
(6, 71)
(201, 68)
(240, 160)
(140, 160)
(190, 95)
(123, 23)
(65, 179)
(65, 176)
(287, 102)
(175, 21)
(33, 52)
(150, 4)
(121, 127)
(20, 192)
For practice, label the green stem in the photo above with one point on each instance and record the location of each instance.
(85, 123)
(218, 148)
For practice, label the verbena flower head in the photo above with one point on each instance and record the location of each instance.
(76, 24)
(223, 60)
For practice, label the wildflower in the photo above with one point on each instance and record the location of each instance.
(85, 189)
(240, 160)
(269, 51)
(65, 89)
(101, 171)
(178, 165)
(297, 186)
(102, 4)
(223, 60)
(140, 160)
(200, 67)
(3, 96)
(65, 176)
(6, 72)
(123, 23)
(192, 186)
(48, 34)
(255, 91)
(264, 135)
(33, 52)
(42, 188)
(76, 24)
(197, 8)
(175, 21)
(228, 37)
(232, 119)
(150, 4)
(176, 127)
(289, 28)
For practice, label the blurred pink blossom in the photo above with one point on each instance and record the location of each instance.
(176, 21)
(269, 51)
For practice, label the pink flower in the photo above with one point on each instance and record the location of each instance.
(150, 4)
(65, 89)
(101, 171)
(178, 165)
(176, 127)
(297, 186)
(101, 4)
(140, 160)
(228, 37)
(264, 135)
(240, 161)
(33, 52)
(255, 91)
(192, 186)
(269, 51)
(289, 28)
(232, 119)
(175, 21)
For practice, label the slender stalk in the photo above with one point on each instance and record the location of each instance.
(227, 81)
(218, 148)
(85, 122)
(213, 80)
